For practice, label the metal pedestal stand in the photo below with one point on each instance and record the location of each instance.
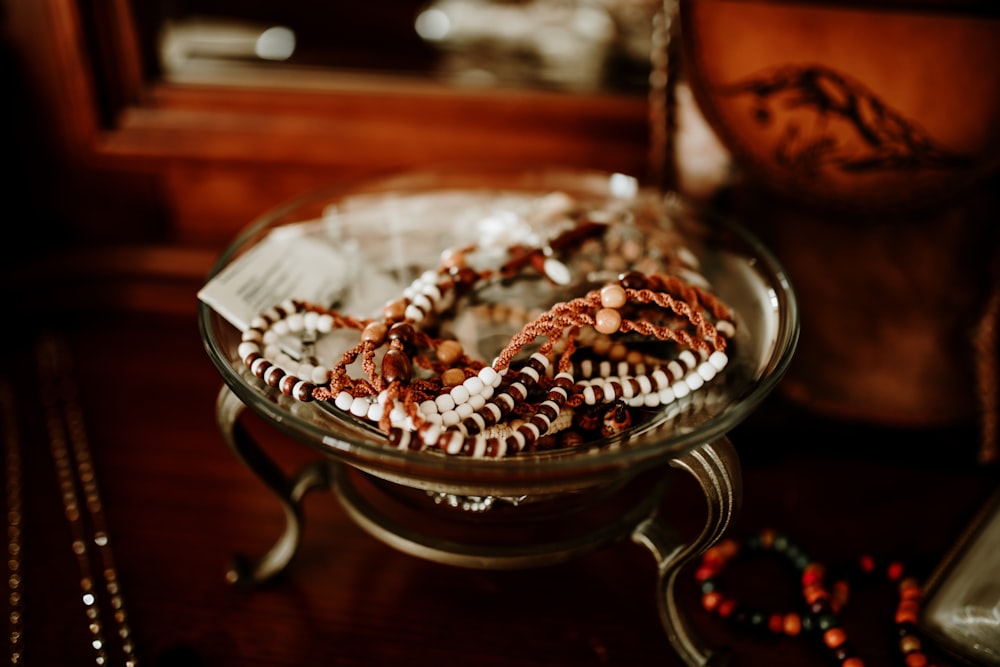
(715, 466)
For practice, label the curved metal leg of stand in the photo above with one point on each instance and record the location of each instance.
(716, 467)
(289, 490)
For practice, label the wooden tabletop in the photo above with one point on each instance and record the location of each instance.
(179, 505)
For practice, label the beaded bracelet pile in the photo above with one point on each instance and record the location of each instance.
(575, 372)
(823, 601)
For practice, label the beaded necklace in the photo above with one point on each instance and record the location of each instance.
(576, 367)
(823, 600)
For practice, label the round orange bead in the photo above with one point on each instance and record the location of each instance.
(613, 296)
(853, 662)
(834, 637)
(607, 320)
(792, 624)
(710, 601)
(916, 659)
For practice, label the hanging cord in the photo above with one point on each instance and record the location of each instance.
(663, 73)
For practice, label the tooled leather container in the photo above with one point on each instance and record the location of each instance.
(867, 144)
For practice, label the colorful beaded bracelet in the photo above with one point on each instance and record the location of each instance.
(823, 602)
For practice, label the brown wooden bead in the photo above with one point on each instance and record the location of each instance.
(452, 377)
(402, 332)
(449, 352)
(394, 310)
(632, 280)
(374, 333)
(396, 366)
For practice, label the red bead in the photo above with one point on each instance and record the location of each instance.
(867, 564)
(726, 607)
(705, 572)
(776, 623)
(853, 662)
(895, 571)
(916, 659)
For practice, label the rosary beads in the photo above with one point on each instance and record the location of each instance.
(577, 371)
(823, 599)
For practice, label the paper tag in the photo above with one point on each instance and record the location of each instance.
(290, 262)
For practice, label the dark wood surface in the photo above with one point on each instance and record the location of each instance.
(180, 505)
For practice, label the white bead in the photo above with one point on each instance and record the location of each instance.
(295, 322)
(477, 402)
(688, 358)
(473, 385)
(478, 447)
(414, 313)
(258, 322)
(398, 415)
(637, 401)
(531, 427)
(675, 369)
(454, 444)
(681, 389)
(280, 327)
(494, 411)
(645, 386)
(706, 371)
(421, 301)
(246, 349)
(305, 370)
(530, 372)
(652, 399)
(507, 400)
(459, 394)
(666, 396)
(489, 376)
(463, 410)
(609, 392)
(320, 375)
(270, 338)
(324, 324)
(359, 406)
(343, 401)
(478, 420)
(444, 402)
(605, 369)
(718, 359)
(450, 418)
(519, 438)
(566, 376)
(375, 412)
(541, 358)
(660, 379)
(589, 396)
(432, 292)
(309, 320)
(626, 388)
(252, 335)
(694, 381)
(433, 419)
(428, 407)
(430, 434)
(726, 328)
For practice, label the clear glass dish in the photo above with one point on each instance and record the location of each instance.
(418, 215)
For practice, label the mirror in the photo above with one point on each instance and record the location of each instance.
(562, 45)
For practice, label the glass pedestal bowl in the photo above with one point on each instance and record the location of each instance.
(355, 248)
